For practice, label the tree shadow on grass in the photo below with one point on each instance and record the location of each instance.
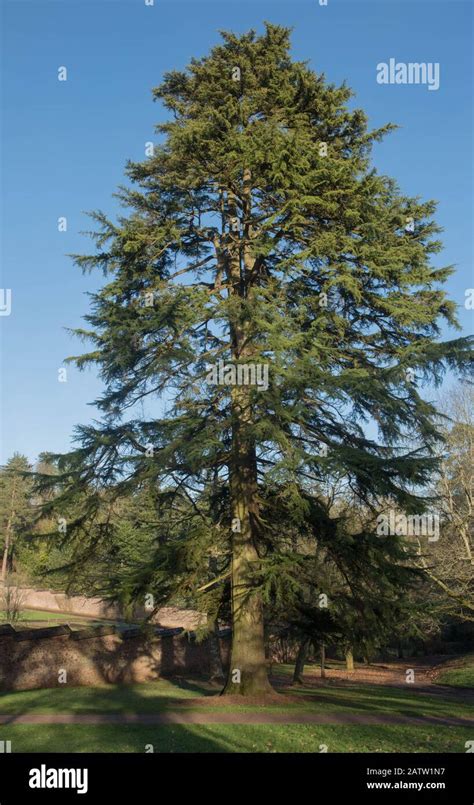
(113, 738)
(380, 700)
(164, 739)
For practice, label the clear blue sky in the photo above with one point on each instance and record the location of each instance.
(65, 144)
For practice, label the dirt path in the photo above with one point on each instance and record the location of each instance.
(390, 673)
(393, 674)
(192, 717)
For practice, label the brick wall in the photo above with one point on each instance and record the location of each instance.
(32, 659)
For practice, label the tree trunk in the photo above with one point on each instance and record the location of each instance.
(323, 660)
(349, 659)
(300, 662)
(248, 674)
(5, 559)
(6, 550)
(8, 533)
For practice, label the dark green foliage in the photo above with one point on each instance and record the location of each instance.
(332, 292)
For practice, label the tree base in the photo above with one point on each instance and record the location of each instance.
(258, 686)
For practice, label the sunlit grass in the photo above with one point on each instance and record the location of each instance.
(227, 738)
(458, 673)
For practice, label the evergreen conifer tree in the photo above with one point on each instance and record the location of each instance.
(259, 240)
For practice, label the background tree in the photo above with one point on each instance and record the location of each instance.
(15, 506)
(449, 561)
(342, 583)
(260, 234)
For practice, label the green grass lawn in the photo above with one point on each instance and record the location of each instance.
(37, 615)
(459, 673)
(234, 738)
(164, 695)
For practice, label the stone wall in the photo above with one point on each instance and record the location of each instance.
(38, 658)
(82, 606)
